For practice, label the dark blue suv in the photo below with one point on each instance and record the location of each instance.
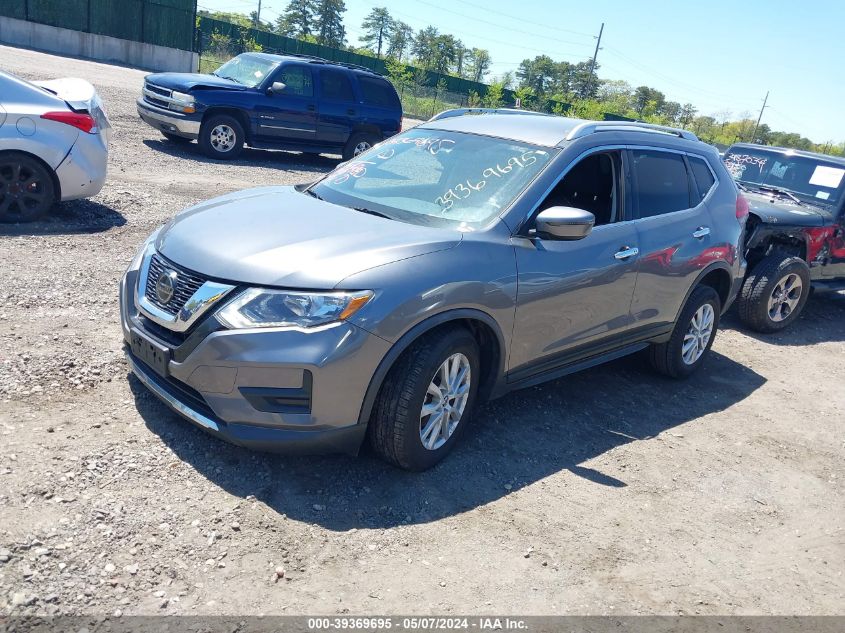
(273, 101)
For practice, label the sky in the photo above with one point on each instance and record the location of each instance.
(720, 55)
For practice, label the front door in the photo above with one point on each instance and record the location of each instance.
(289, 115)
(572, 294)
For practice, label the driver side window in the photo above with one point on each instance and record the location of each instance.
(593, 185)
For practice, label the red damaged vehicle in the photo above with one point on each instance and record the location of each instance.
(795, 236)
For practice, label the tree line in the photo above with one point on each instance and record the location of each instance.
(540, 83)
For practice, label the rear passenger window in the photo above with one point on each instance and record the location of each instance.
(702, 175)
(662, 184)
(377, 92)
(298, 81)
(335, 85)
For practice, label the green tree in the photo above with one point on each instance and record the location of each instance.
(297, 20)
(227, 16)
(479, 64)
(377, 27)
(400, 41)
(328, 24)
(537, 74)
(399, 75)
(495, 96)
(424, 45)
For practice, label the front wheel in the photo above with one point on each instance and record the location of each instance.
(27, 190)
(774, 293)
(692, 336)
(426, 400)
(221, 137)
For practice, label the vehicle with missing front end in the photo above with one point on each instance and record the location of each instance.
(290, 102)
(796, 230)
(453, 263)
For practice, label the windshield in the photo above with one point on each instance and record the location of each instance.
(246, 69)
(436, 178)
(806, 177)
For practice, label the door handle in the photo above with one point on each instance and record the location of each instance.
(627, 252)
(312, 107)
(701, 232)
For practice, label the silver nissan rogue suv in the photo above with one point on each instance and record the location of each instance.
(475, 254)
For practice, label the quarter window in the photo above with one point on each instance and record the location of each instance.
(702, 174)
(662, 183)
(335, 85)
(377, 92)
(298, 81)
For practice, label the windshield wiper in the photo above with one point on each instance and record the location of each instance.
(378, 214)
(783, 192)
(312, 194)
(237, 81)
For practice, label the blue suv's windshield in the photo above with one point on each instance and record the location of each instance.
(437, 178)
(246, 69)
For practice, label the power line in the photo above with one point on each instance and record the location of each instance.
(514, 17)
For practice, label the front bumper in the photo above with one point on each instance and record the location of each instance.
(187, 125)
(269, 389)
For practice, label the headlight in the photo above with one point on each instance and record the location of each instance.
(135, 264)
(258, 307)
(183, 102)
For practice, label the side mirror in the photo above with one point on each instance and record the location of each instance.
(565, 223)
(276, 87)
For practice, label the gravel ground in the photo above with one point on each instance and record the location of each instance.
(611, 491)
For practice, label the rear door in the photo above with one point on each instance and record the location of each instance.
(674, 233)
(338, 109)
(292, 113)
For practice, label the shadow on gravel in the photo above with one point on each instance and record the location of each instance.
(513, 442)
(74, 216)
(822, 321)
(250, 157)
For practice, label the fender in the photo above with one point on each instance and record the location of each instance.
(720, 265)
(408, 338)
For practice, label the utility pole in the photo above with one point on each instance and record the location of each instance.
(258, 15)
(754, 133)
(596, 54)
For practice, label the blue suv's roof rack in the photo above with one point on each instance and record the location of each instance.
(322, 60)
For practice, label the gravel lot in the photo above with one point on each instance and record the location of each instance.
(612, 491)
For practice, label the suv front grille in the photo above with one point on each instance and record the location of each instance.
(186, 283)
(157, 95)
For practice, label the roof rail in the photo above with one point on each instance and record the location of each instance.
(323, 60)
(448, 114)
(589, 127)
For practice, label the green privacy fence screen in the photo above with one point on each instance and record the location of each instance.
(161, 22)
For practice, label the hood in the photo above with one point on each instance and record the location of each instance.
(183, 82)
(77, 93)
(277, 236)
(777, 210)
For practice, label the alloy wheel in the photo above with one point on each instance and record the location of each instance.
(223, 138)
(785, 297)
(361, 147)
(23, 191)
(445, 401)
(698, 334)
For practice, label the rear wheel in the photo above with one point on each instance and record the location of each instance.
(358, 144)
(774, 293)
(27, 190)
(692, 336)
(426, 400)
(221, 137)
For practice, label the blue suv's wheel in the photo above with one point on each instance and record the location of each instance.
(221, 137)
(358, 144)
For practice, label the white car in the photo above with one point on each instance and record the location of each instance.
(54, 138)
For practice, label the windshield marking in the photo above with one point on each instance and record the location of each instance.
(447, 200)
(738, 163)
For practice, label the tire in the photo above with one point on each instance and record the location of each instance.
(397, 425)
(27, 188)
(221, 137)
(175, 138)
(774, 274)
(669, 358)
(358, 143)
